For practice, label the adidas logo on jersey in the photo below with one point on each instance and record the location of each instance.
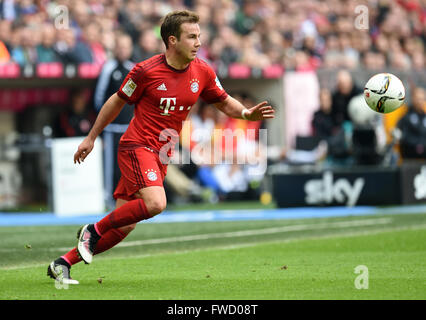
(162, 87)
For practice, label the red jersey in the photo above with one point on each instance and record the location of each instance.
(163, 97)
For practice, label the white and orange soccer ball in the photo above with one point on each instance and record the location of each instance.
(384, 92)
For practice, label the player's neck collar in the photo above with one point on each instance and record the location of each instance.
(174, 69)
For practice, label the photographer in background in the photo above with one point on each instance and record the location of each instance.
(413, 127)
(112, 75)
(77, 119)
(345, 91)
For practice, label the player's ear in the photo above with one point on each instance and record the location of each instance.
(172, 40)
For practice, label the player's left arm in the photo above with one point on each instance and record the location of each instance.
(235, 109)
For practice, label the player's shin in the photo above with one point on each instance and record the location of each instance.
(109, 240)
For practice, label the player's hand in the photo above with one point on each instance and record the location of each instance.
(260, 112)
(83, 150)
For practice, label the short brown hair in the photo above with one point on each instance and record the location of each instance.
(172, 22)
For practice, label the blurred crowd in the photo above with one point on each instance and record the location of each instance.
(354, 134)
(300, 35)
(224, 155)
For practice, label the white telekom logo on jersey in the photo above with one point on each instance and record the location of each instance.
(170, 104)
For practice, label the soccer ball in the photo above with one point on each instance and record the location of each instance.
(384, 92)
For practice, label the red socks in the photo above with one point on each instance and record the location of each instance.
(72, 257)
(129, 213)
(108, 240)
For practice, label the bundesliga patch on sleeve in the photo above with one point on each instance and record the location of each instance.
(129, 87)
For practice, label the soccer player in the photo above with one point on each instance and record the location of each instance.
(163, 89)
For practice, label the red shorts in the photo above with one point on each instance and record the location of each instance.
(140, 168)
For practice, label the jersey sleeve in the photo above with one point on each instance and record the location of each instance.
(213, 92)
(133, 85)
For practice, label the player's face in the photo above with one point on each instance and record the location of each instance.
(189, 42)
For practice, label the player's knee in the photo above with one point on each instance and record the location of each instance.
(156, 206)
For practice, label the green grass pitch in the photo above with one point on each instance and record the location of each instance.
(256, 260)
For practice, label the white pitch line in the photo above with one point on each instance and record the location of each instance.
(250, 244)
(253, 232)
(244, 233)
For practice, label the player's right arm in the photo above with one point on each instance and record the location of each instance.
(130, 91)
(110, 110)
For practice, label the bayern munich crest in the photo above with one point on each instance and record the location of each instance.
(194, 84)
(151, 174)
